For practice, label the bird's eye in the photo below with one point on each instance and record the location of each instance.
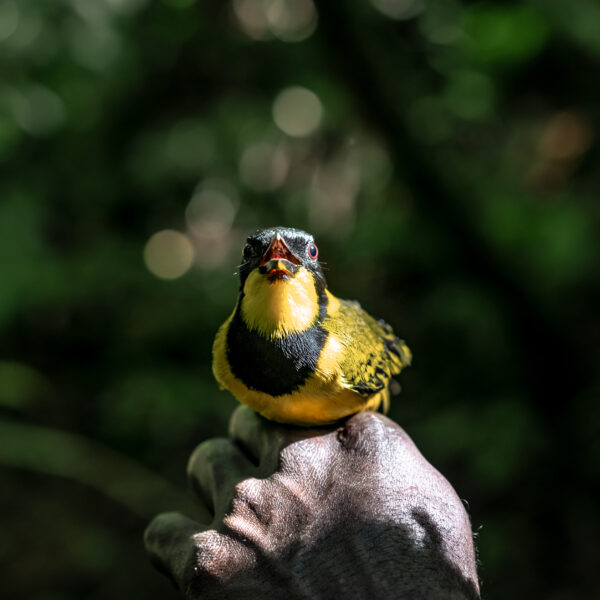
(312, 251)
(247, 251)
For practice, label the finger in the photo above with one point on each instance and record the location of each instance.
(368, 432)
(257, 436)
(214, 469)
(263, 439)
(169, 541)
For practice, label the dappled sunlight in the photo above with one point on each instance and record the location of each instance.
(400, 9)
(264, 166)
(38, 110)
(287, 20)
(563, 140)
(210, 215)
(169, 254)
(297, 111)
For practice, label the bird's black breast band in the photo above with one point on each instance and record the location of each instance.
(274, 366)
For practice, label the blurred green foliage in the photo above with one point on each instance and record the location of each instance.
(443, 153)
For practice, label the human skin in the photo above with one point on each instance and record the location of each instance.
(351, 511)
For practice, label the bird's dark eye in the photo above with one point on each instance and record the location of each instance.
(312, 251)
(247, 251)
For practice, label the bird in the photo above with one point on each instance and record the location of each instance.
(294, 352)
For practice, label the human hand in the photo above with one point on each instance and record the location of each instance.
(353, 511)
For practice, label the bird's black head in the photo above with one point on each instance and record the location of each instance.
(279, 253)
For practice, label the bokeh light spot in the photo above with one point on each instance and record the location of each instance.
(372, 162)
(38, 110)
(499, 34)
(26, 33)
(251, 18)
(291, 20)
(470, 94)
(440, 22)
(264, 166)
(169, 254)
(332, 196)
(95, 46)
(9, 19)
(287, 20)
(297, 111)
(210, 215)
(399, 9)
(567, 135)
(210, 209)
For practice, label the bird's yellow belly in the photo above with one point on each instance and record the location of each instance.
(315, 403)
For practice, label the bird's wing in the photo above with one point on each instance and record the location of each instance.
(372, 353)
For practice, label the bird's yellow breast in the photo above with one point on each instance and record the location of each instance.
(278, 308)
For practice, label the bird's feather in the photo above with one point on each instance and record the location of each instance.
(372, 354)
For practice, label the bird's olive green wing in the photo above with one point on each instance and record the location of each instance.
(372, 353)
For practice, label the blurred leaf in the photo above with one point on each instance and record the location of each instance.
(553, 242)
(470, 95)
(496, 440)
(118, 477)
(579, 20)
(19, 384)
(503, 34)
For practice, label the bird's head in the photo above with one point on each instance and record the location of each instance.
(281, 280)
(280, 254)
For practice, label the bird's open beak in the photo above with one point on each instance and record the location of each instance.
(278, 261)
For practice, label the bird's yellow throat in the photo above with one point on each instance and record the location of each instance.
(278, 308)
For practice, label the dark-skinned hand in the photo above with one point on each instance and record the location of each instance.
(352, 511)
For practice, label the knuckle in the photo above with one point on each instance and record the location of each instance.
(366, 419)
(304, 458)
(201, 566)
(365, 433)
(213, 559)
(242, 417)
(205, 454)
(160, 530)
(197, 457)
(251, 503)
(248, 492)
(152, 533)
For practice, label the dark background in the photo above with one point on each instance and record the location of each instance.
(443, 153)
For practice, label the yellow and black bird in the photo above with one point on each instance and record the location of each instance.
(294, 352)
